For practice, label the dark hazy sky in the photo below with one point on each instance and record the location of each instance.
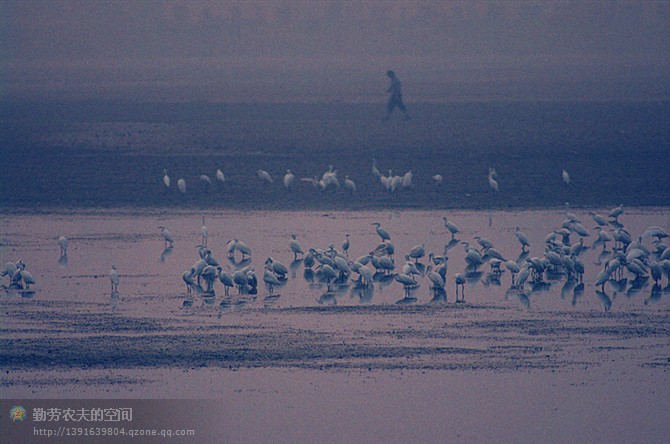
(335, 51)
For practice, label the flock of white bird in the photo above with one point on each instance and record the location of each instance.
(628, 257)
(332, 266)
(329, 179)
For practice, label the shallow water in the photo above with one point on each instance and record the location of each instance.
(504, 366)
(151, 275)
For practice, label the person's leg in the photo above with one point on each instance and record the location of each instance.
(401, 107)
(389, 107)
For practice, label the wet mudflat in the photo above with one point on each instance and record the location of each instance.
(507, 364)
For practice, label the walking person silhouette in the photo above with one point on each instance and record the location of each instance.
(396, 96)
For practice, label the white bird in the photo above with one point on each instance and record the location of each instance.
(204, 231)
(227, 281)
(10, 269)
(349, 184)
(603, 237)
(231, 247)
(346, 244)
(181, 184)
(616, 212)
(209, 274)
(406, 281)
(27, 278)
(407, 180)
(366, 274)
(242, 248)
(460, 282)
(329, 274)
(277, 267)
(264, 176)
(167, 237)
(220, 176)
(205, 178)
(375, 170)
(513, 268)
(438, 179)
(330, 178)
(523, 239)
(240, 279)
(493, 184)
(187, 277)
(453, 229)
(381, 232)
(289, 177)
(270, 279)
(296, 249)
(599, 219)
(435, 278)
(416, 252)
(166, 179)
(656, 232)
(565, 176)
(62, 241)
(114, 278)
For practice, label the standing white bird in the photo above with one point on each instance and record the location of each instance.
(270, 279)
(296, 249)
(616, 212)
(204, 231)
(187, 277)
(166, 179)
(181, 184)
(523, 239)
(114, 278)
(407, 282)
(493, 184)
(27, 278)
(167, 237)
(205, 178)
(227, 281)
(220, 176)
(435, 278)
(599, 219)
(407, 180)
(565, 176)
(416, 253)
(346, 244)
(381, 232)
(264, 176)
(460, 282)
(289, 177)
(62, 241)
(349, 184)
(375, 170)
(453, 229)
(242, 248)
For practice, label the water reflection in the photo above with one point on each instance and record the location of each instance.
(567, 288)
(577, 293)
(166, 253)
(294, 266)
(308, 275)
(439, 296)
(523, 299)
(328, 298)
(410, 299)
(655, 295)
(362, 292)
(271, 300)
(604, 300)
(63, 261)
